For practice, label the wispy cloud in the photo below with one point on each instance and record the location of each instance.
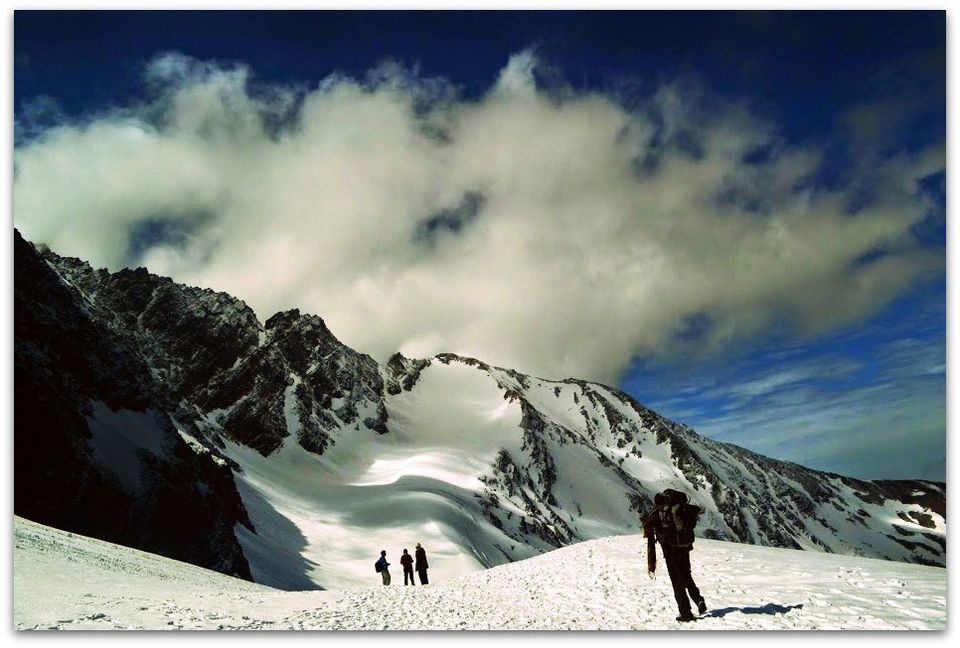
(868, 403)
(793, 375)
(597, 232)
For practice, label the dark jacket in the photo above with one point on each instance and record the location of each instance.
(666, 523)
(407, 561)
(383, 563)
(421, 559)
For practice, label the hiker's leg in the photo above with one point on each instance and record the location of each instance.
(684, 562)
(676, 579)
(423, 577)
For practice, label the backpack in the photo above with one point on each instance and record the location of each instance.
(677, 518)
(685, 518)
(378, 566)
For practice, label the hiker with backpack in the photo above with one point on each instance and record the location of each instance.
(406, 560)
(382, 567)
(671, 523)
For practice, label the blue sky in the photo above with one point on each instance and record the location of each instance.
(850, 380)
(867, 400)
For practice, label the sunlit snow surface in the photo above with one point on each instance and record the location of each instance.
(69, 582)
(323, 520)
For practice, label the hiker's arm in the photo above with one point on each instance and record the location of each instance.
(648, 521)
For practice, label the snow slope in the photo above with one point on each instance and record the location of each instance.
(333, 513)
(69, 582)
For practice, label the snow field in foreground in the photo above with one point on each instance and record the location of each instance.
(65, 581)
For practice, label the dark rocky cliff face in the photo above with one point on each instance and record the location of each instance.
(72, 367)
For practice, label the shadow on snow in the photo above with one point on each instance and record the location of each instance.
(769, 608)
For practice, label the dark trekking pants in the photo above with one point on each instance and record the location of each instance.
(423, 576)
(678, 566)
(408, 574)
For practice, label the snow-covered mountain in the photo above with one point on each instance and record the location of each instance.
(68, 582)
(170, 419)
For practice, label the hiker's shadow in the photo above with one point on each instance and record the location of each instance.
(769, 608)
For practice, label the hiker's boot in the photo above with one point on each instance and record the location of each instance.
(702, 606)
(686, 617)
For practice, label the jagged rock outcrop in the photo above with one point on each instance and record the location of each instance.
(401, 373)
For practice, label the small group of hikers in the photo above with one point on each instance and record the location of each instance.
(407, 562)
(671, 523)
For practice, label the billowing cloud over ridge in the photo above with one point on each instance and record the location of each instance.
(561, 232)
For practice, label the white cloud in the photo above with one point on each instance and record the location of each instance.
(600, 229)
(517, 77)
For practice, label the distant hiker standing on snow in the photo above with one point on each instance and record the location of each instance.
(381, 566)
(421, 564)
(671, 523)
(406, 560)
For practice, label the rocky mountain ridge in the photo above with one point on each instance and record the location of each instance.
(135, 397)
